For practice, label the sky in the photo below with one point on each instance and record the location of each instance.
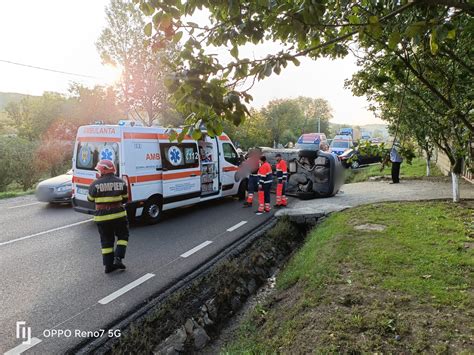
(61, 35)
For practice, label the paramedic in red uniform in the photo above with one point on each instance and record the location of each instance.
(282, 176)
(109, 194)
(265, 184)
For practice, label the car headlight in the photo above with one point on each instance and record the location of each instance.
(64, 188)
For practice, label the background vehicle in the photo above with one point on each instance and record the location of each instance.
(310, 141)
(340, 144)
(312, 173)
(354, 158)
(161, 174)
(354, 133)
(55, 190)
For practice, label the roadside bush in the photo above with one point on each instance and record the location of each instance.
(17, 163)
(6, 173)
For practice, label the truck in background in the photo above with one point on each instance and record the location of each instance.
(354, 133)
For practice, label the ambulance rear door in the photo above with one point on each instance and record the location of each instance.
(229, 164)
(181, 173)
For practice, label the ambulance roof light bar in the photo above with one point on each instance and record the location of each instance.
(130, 123)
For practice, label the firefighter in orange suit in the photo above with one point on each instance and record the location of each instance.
(109, 194)
(282, 176)
(265, 184)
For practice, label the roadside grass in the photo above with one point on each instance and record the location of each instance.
(8, 194)
(415, 170)
(14, 190)
(407, 288)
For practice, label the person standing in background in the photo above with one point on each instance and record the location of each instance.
(396, 160)
(282, 176)
(265, 184)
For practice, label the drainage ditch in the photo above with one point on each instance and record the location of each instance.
(191, 314)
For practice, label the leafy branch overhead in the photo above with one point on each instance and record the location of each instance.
(215, 90)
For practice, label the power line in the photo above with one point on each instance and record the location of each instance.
(48, 69)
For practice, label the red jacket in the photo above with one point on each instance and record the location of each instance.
(281, 168)
(265, 173)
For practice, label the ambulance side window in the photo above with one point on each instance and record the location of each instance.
(230, 155)
(179, 156)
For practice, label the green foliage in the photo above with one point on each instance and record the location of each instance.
(33, 115)
(423, 89)
(17, 163)
(281, 121)
(204, 85)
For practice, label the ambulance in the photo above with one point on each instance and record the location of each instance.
(160, 174)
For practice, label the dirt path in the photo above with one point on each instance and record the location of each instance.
(362, 193)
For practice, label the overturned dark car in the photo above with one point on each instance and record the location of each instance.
(312, 173)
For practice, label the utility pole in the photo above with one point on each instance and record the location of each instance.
(319, 124)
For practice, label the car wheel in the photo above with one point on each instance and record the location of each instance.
(152, 210)
(355, 164)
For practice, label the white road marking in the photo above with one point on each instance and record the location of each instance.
(28, 204)
(195, 249)
(23, 347)
(259, 213)
(44, 232)
(126, 288)
(238, 225)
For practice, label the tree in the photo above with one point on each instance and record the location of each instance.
(207, 87)
(32, 116)
(285, 120)
(317, 112)
(123, 43)
(87, 105)
(252, 132)
(423, 95)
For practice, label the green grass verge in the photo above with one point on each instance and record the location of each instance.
(15, 193)
(407, 288)
(415, 170)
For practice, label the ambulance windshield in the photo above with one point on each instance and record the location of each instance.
(89, 154)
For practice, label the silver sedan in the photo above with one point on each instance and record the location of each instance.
(55, 190)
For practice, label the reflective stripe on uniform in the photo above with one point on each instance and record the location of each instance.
(122, 242)
(90, 198)
(107, 250)
(125, 196)
(108, 199)
(109, 217)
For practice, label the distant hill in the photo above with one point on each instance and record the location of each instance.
(7, 97)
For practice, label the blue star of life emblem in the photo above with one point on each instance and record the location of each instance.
(106, 154)
(174, 155)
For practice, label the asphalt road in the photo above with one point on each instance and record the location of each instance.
(51, 272)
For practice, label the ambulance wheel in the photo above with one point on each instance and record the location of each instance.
(152, 210)
(242, 189)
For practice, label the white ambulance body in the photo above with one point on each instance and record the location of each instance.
(160, 174)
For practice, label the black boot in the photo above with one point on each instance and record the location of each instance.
(110, 268)
(119, 264)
